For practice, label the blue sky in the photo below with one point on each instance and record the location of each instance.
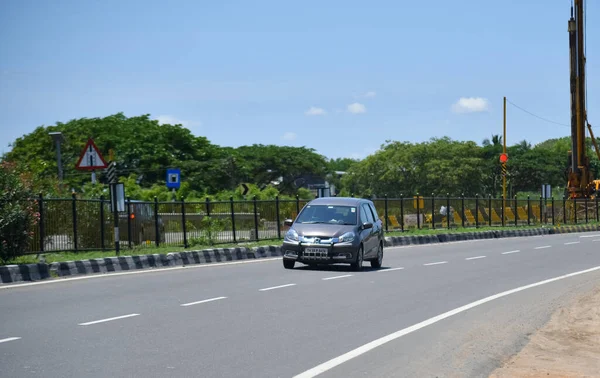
(338, 76)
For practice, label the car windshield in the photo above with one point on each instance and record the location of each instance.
(328, 214)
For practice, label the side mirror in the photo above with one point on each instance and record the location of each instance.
(288, 222)
(367, 225)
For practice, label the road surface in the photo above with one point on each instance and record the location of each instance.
(255, 319)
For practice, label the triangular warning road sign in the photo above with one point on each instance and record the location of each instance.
(91, 158)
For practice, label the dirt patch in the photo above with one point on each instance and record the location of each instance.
(567, 346)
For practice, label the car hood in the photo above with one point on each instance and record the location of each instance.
(322, 230)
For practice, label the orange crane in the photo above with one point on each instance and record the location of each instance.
(581, 183)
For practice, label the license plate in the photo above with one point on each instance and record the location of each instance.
(316, 253)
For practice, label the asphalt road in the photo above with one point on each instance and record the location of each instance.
(258, 320)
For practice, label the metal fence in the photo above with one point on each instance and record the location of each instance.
(79, 225)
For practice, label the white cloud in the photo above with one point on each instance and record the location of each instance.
(167, 119)
(314, 111)
(471, 105)
(370, 94)
(357, 108)
(289, 136)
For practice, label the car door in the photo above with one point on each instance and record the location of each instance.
(377, 227)
(367, 235)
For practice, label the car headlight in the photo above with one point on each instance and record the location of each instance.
(348, 237)
(291, 235)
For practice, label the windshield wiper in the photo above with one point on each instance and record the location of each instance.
(312, 222)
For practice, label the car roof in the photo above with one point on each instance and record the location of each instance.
(340, 201)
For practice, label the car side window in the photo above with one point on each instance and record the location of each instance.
(367, 213)
(364, 215)
(374, 210)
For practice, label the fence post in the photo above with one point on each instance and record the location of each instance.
(597, 212)
(418, 212)
(462, 204)
(116, 223)
(503, 220)
(102, 232)
(41, 220)
(586, 210)
(207, 206)
(433, 211)
(477, 210)
(75, 238)
(542, 207)
(528, 210)
(232, 218)
(553, 210)
(401, 212)
(490, 209)
(516, 212)
(255, 219)
(156, 230)
(185, 242)
(448, 212)
(129, 232)
(386, 213)
(297, 205)
(575, 209)
(277, 217)
(564, 209)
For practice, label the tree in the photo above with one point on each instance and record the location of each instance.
(18, 212)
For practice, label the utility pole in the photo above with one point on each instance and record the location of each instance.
(504, 172)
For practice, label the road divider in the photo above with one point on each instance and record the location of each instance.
(42, 271)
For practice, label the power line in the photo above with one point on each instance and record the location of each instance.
(535, 115)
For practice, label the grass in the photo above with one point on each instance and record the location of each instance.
(72, 256)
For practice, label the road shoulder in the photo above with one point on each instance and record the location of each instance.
(566, 346)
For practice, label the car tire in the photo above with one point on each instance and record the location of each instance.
(288, 264)
(359, 260)
(376, 263)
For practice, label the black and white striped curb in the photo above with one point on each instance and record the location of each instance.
(37, 272)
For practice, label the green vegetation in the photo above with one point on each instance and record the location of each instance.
(144, 149)
(17, 216)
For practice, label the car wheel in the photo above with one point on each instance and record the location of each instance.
(288, 264)
(359, 260)
(376, 263)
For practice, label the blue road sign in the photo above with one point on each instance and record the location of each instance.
(173, 178)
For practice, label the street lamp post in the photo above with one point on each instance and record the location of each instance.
(58, 139)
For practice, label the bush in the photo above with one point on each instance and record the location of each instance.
(18, 212)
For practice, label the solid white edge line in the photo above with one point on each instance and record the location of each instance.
(277, 287)
(203, 301)
(570, 243)
(589, 236)
(388, 270)
(336, 277)
(436, 263)
(476, 257)
(108, 319)
(396, 335)
(9, 339)
(597, 240)
(509, 252)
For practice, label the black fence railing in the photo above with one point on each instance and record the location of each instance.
(79, 225)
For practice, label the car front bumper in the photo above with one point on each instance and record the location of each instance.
(320, 253)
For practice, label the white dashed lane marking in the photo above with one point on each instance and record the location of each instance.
(9, 339)
(202, 301)
(543, 247)
(108, 320)
(277, 287)
(436, 263)
(336, 277)
(509, 252)
(475, 258)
